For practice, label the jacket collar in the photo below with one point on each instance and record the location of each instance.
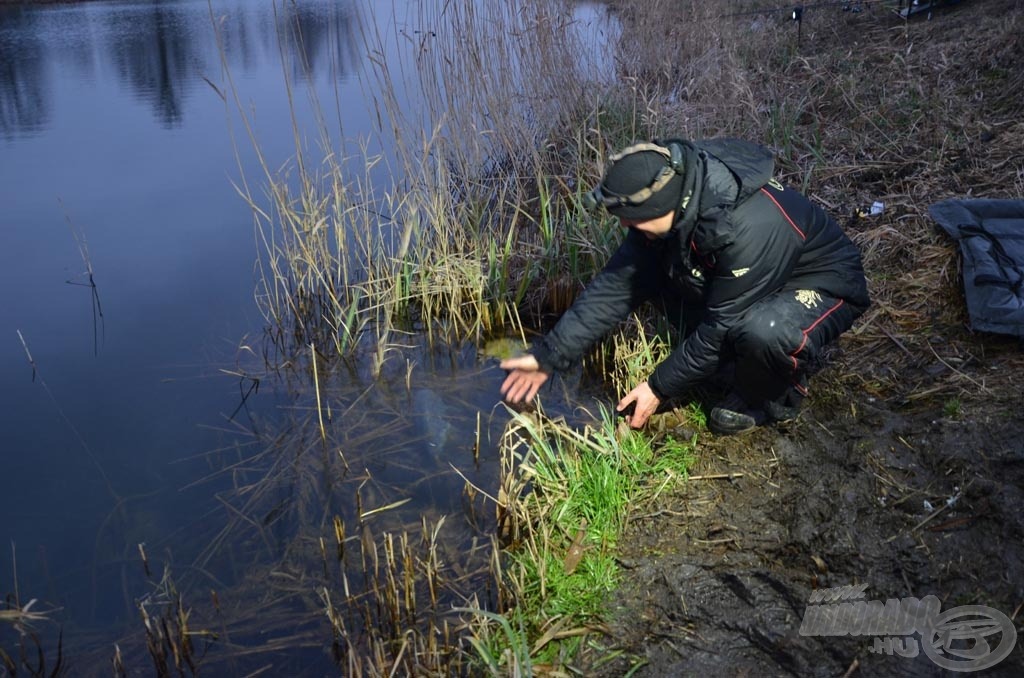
(689, 205)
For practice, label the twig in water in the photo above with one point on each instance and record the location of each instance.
(31, 361)
(316, 384)
(14, 567)
(96, 462)
(97, 309)
(254, 387)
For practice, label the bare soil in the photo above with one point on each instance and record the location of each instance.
(719, 575)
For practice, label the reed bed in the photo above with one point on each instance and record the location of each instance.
(451, 232)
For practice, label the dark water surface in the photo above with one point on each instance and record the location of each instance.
(114, 142)
(111, 135)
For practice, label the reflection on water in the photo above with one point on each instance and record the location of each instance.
(321, 37)
(24, 96)
(162, 51)
(154, 54)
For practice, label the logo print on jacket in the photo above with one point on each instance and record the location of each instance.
(808, 298)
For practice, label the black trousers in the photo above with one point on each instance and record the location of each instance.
(777, 343)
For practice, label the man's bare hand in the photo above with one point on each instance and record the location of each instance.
(524, 380)
(646, 404)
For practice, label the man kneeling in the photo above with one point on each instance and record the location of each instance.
(749, 271)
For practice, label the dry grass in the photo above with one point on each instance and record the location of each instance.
(28, 654)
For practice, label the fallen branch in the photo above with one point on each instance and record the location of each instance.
(981, 386)
(934, 513)
(896, 341)
(716, 476)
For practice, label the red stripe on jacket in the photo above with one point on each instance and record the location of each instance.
(791, 222)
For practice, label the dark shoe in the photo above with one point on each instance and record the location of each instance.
(781, 413)
(733, 415)
(787, 406)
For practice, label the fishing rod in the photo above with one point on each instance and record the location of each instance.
(798, 9)
(905, 7)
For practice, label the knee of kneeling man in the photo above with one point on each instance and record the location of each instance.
(761, 331)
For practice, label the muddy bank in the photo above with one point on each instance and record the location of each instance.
(719, 576)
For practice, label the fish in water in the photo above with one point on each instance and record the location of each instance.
(432, 422)
(437, 443)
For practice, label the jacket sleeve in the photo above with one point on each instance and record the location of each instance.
(755, 261)
(628, 279)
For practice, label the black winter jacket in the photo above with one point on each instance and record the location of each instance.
(738, 237)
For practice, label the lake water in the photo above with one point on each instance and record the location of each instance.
(117, 157)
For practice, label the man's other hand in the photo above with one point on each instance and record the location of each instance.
(646, 404)
(524, 380)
